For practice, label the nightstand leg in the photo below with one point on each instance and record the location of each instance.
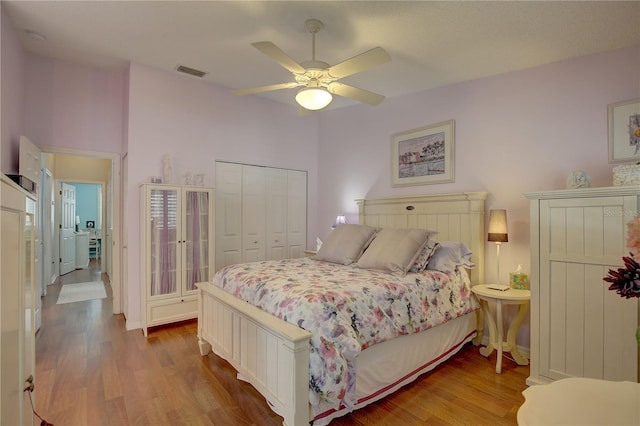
(479, 325)
(486, 351)
(513, 333)
(500, 335)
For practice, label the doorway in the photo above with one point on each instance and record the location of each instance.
(81, 225)
(73, 166)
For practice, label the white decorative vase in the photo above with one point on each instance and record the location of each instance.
(167, 170)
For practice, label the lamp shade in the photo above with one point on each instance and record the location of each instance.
(498, 226)
(340, 220)
(313, 98)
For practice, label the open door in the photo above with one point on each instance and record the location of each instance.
(67, 228)
(30, 166)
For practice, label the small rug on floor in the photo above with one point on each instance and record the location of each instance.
(81, 291)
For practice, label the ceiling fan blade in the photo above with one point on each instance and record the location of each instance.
(355, 93)
(366, 60)
(275, 53)
(266, 88)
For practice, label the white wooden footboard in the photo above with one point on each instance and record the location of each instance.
(270, 354)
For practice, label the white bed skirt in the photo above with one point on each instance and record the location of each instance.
(386, 367)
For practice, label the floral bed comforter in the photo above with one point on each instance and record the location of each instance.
(347, 310)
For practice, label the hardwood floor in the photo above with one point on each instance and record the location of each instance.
(91, 371)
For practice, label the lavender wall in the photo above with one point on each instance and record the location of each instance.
(517, 132)
(12, 98)
(73, 106)
(196, 123)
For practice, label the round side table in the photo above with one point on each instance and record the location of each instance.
(496, 336)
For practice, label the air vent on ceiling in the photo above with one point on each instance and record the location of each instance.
(191, 71)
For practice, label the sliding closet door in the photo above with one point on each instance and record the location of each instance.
(253, 213)
(261, 213)
(228, 214)
(296, 213)
(276, 214)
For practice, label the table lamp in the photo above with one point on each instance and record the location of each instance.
(340, 220)
(498, 234)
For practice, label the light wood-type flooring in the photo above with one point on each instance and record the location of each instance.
(91, 371)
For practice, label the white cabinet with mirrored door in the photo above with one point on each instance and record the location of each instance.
(17, 304)
(178, 249)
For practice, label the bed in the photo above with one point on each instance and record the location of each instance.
(274, 355)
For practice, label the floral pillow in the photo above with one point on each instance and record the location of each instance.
(421, 261)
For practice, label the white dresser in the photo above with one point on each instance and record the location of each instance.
(579, 328)
(82, 250)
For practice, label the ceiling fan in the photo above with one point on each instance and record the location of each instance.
(318, 79)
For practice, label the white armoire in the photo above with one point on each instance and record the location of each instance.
(177, 228)
(17, 304)
(261, 213)
(579, 328)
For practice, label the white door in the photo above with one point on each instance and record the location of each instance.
(48, 235)
(296, 213)
(253, 218)
(107, 229)
(29, 166)
(228, 214)
(67, 228)
(276, 214)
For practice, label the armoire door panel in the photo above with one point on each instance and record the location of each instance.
(17, 301)
(579, 328)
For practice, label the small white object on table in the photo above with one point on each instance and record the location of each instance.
(509, 296)
(581, 401)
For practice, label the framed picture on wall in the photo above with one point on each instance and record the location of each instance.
(624, 131)
(91, 224)
(424, 155)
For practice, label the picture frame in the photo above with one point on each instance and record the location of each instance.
(624, 131)
(423, 156)
(91, 224)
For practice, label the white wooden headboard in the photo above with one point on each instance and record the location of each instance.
(456, 217)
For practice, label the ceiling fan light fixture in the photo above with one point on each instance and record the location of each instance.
(313, 98)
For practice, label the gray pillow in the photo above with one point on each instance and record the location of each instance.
(394, 249)
(346, 243)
